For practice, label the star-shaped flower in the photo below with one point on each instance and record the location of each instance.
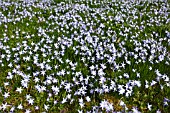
(19, 90)
(20, 106)
(6, 95)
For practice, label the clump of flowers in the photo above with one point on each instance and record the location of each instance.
(68, 57)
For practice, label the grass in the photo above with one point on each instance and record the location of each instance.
(53, 52)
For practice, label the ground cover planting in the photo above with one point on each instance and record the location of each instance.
(84, 56)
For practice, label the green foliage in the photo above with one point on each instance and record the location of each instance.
(140, 97)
